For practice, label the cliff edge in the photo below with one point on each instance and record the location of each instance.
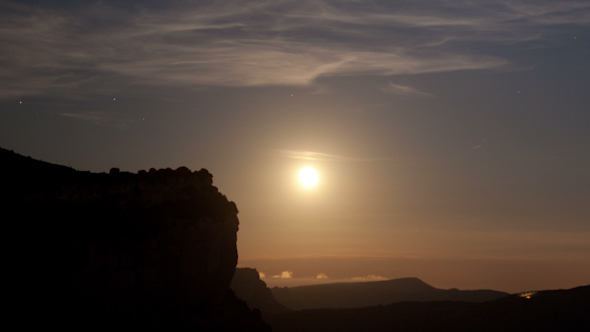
(247, 286)
(146, 252)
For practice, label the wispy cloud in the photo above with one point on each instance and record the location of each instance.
(99, 118)
(315, 156)
(402, 90)
(236, 43)
(89, 116)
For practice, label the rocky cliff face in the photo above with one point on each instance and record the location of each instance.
(247, 286)
(148, 251)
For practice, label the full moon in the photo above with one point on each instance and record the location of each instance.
(309, 177)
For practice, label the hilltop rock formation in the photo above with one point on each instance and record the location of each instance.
(148, 251)
(248, 287)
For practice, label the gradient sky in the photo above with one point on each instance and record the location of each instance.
(452, 138)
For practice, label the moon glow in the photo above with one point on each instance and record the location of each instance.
(308, 177)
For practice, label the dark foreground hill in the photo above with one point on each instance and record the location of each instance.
(364, 294)
(561, 310)
(153, 251)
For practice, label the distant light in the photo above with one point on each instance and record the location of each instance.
(527, 295)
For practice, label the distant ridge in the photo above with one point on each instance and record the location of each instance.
(363, 294)
(402, 284)
(543, 311)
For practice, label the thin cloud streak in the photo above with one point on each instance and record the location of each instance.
(315, 156)
(90, 116)
(231, 43)
(99, 118)
(402, 90)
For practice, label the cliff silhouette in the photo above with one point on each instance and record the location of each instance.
(371, 293)
(149, 251)
(248, 287)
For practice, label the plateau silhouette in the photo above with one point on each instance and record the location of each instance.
(371, 293)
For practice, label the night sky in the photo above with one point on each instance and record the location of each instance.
(451, 138)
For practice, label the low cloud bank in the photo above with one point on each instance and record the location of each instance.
(283, 275)
(370, 277)
(285, 279)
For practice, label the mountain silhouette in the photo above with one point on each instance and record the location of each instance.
(544, 311)
(363, 294)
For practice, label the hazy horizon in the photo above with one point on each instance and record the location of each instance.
(451, 138)
(502, 275)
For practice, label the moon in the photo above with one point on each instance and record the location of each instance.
(308, 177)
